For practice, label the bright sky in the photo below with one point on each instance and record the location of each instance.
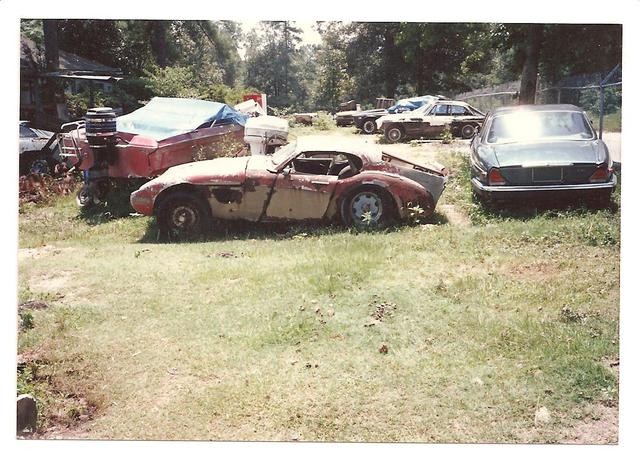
(309, 35)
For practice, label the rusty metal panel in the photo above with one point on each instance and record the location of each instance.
(301, 196)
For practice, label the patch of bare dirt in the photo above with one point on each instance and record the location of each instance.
(66, 411)
(454, 215)
(42, 251)
(52, 283)
(612, 365)
(532, 271)
(37, 252)
(600, 427)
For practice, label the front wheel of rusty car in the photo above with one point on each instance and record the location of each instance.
(181, 215)
(367, 207)
(394, 134)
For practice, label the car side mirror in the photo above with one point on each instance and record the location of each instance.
(286, 171)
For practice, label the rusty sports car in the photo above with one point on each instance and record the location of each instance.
(303, 181)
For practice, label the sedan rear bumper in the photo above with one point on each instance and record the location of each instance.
(504, 191)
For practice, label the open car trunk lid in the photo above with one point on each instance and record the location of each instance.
(432, 177)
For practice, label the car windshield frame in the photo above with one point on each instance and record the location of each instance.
(283, 155)
(513, 139)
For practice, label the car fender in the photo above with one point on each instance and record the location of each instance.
(403, 191)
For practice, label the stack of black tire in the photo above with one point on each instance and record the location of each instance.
(100, 130)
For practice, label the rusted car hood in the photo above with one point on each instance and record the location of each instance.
(220, 171)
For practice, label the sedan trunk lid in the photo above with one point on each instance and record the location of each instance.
(547, 153)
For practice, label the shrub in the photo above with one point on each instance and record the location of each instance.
(590, 100)
(447, 136)
(79, 103)
(187, 82)
(323, 121)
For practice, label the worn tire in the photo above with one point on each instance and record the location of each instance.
(367, 199)
(84, 197)
(394, 134)
(369, 126)
(182, 215)
(467, 131)
(92, 194)
(39, 166)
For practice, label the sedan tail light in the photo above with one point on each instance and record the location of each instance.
(601, 174)
(495, 177)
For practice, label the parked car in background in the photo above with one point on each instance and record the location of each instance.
(431, 120)
(544, 151)
(365, 121)
(38, 150)
(304, 181)
(345, 118)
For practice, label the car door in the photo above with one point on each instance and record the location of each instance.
(413, 124)
(435, 121)
(301, 195)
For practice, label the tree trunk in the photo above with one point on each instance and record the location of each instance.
(51, 53)
(530, 67)
(286, 60)
(159, 42)
(391, 61)
(46, 110)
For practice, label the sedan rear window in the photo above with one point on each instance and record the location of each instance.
(531, 126)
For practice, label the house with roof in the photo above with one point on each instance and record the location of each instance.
(74, 74)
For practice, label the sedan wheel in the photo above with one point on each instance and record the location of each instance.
(394, 134)
(369, 127)
(467, 131)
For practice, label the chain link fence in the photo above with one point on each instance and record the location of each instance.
(600, 94)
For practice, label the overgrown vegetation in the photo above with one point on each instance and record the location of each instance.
(355, 60)
(434, 332)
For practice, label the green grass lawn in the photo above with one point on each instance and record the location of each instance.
(433, 333)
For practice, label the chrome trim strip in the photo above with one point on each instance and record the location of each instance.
(542, 188)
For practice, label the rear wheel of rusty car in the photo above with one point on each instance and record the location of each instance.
(367, 207)
(181, 215)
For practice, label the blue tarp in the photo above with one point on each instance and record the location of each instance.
(409, 104)
(163, 118)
